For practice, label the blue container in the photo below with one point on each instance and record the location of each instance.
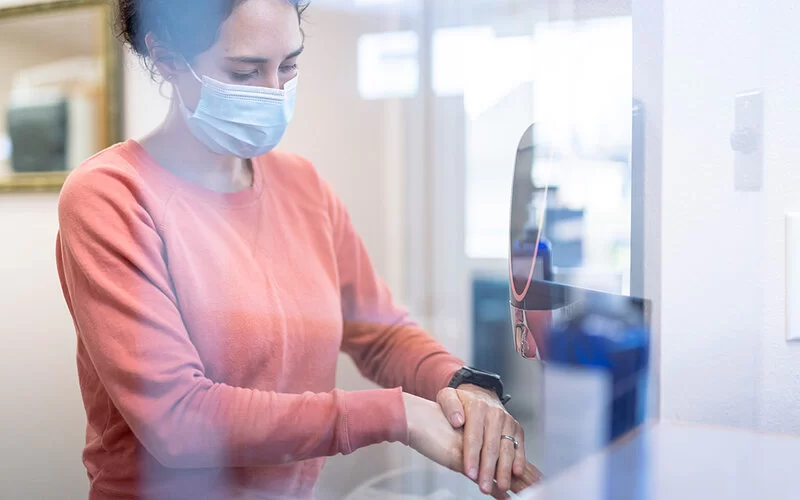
(608, 333)
(522, 253)
(595, 375)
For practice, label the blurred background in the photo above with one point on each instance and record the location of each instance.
(55, 90)
(413, 110)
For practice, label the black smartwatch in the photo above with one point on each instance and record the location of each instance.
(486, 380)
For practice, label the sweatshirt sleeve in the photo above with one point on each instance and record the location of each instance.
(385, 344)
(113, 268)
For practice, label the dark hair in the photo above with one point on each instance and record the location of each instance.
(188, 27)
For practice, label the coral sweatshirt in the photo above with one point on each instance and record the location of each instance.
(209, 325)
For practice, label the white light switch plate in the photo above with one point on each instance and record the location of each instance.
(793, 276)
(749, 118)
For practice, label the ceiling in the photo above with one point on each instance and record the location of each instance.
(507, 17)
(575, 8)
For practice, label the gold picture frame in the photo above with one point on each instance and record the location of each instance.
(106, 96)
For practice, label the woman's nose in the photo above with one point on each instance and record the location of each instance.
(273, 81)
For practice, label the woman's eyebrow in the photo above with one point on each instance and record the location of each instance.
(248, 59)
(262, 60)
(296, 52)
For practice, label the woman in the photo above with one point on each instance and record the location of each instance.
(212, 282)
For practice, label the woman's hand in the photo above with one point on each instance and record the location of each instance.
(486, 454)
(432, 435)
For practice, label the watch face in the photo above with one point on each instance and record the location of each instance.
(475, 374)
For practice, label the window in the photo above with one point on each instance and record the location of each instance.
(388, 65)
(573, 79)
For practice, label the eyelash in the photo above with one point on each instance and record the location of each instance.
(243, 77)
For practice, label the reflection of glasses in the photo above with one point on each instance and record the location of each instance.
(521, 332)
(524, 341)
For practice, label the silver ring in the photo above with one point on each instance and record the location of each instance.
(512, 439)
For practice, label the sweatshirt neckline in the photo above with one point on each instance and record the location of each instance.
(242, 197)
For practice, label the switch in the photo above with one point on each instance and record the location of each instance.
(747, 141)
(793, 276)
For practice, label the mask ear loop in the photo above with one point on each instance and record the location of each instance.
(161, 88)
(193, 73)
(166, 80)
(176, 90)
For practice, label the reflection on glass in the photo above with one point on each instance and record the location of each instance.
(577, 89)
(530, 255)
(538, 301)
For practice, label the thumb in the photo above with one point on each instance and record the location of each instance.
(451, 406)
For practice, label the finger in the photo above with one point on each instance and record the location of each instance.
(529, 477)
(495, 420)
(520, 460)
(507, 456)
(473, 438)
(451, 406)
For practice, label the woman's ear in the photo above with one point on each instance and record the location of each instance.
(167, 61)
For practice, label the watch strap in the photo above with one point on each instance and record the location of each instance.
(486, 380)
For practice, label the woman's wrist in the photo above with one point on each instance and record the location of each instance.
(373, 416)
(410, 403)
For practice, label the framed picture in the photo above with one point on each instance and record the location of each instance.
(60, 90)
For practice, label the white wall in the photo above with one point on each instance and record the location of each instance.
(42, 419)
(14, 3)
(712, 279)
(724, 357)
(779, 397)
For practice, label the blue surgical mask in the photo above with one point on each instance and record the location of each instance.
(240, 120)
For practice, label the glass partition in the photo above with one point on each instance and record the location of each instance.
(442, 91)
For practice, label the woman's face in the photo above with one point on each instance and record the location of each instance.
(258, 45)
